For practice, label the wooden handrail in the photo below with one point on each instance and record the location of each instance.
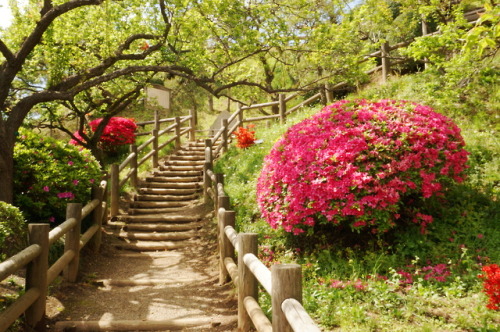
(16, 262)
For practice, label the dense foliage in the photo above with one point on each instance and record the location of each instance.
(13, 231)
(359, 163)
(49, 174)
(117, 132)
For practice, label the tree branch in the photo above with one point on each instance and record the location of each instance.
(9, 56)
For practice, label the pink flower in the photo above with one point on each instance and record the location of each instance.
(75, 182)
(359, 160)
(69, 195)
(52, 219)
(480, 236)
(46, 189)
(70, 163)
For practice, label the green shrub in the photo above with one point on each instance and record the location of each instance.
(13, 231)
(48, 175)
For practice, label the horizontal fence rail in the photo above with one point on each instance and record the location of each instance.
(39, 275)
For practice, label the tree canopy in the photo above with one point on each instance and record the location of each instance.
(61, 59)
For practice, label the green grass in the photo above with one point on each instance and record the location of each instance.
(354, 282)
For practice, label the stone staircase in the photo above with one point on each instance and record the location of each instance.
(158, 269)
(156, 219)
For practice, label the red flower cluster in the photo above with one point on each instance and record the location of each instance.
(356, 162)
(118, 131)
(491, 285)
(245, 136)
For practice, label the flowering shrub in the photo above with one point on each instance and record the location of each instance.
(13, 231)
(491, 284)
(49, 174)
(245, 136)
(119, 131)
(357, 163)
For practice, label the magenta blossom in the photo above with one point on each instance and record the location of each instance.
(355, 162)
(68, 194)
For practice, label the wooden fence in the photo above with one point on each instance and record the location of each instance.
(283, 282)
(39, 275)
(181, 126)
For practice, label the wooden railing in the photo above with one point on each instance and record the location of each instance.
(35, 257)
(39, 275)
(283, 282)
(181, 126)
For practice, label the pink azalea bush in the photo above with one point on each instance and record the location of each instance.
(356, 163)
(119, 131)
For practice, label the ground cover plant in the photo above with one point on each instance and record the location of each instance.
(403, 279)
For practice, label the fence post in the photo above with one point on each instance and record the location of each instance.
(192, 125)
(247, 285)
(157, 120)
(225, 128)
(95, 242)
(240, 115)
(105, 206)
(177, 133)
(219, 188)
(328, 93)
(208, 152)
(282, 105)
(386, 62)
(133, 166)
(207, 166)
(72, 241)
(286, 284)
(223, 202)
(36, 275)
(115, 190)
(226, 218)
(155, 148)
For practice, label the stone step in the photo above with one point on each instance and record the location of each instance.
(155, 236)
(180, 167)
(177, 185)
(178, 173)
(135, 211)
(157, 218)
(152, 245)
(155, 227)
(174, 178)
(160, 198)
(190, 157)
(168, 191)
(184, 162)
(176, 324)
(149, 204)
(194, 152)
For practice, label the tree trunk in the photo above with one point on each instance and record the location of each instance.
(6, 169)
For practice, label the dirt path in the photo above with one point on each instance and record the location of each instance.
(116, 285)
